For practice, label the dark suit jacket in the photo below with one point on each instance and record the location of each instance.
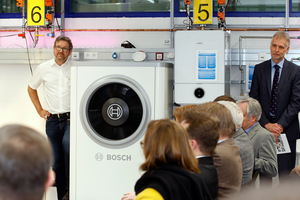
(288, 98)
(209, 174)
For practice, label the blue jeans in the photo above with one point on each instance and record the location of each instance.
(58, 132)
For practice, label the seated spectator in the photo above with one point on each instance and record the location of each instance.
(204, 131)
(179, 110)
(242, 140)
(170, 166)
(262, 140)
(227, 158)
(25, 160)
(224, 98)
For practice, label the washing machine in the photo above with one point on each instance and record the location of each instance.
(111, 105)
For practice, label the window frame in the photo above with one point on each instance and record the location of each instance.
(69, 14)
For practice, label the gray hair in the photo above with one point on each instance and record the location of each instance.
(253, 107)
(282, 35)
(236, 112)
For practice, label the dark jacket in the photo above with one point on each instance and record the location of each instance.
(174, 183)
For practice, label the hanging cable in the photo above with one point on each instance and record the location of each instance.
(28, 57)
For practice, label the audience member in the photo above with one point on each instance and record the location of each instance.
(262, 140)
(204, 131)
(25, 160)
(179, 110)
(242, 140)
(224, 98)
(227, 158)
(171, 171)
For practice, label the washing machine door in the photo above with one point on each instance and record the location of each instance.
(115, 111)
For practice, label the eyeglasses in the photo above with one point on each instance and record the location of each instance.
(60, 48)
(142, 144)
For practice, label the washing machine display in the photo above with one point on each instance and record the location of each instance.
(115, 111)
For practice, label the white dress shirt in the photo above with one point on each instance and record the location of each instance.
(56, 84)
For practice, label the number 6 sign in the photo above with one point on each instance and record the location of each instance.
(203, 11)
(35, 12)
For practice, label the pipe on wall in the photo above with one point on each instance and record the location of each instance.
(242, 82)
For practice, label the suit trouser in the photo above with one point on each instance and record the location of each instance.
(286, 162)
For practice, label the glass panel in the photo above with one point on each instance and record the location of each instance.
(9, 6)
(295, 5)
(248, 5)
(120, 5)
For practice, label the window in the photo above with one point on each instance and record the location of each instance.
(247, 8)
(158, 8)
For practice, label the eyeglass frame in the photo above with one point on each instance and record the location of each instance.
(58, 48)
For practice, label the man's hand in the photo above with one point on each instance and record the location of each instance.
(44, 114)
(275, 129)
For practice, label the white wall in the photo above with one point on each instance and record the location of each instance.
(15, 105)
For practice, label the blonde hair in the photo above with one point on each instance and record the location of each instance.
(166, 142)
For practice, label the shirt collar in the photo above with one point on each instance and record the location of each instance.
(250, 127)
(280, 64)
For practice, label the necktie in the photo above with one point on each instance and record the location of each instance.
(273, 104)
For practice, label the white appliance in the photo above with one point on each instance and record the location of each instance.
(200, 65)
(111, 105)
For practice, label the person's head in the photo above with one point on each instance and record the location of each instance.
(25, 160)
(179, 110)
(223, 114)
(251, 110)
(166, 142)
(236, 112)
(224, 98)
(62, 49)
(203, 131)
(280, 45)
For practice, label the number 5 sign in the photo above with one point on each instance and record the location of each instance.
(35, 12)
(203, 11)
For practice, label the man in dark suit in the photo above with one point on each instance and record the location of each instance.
(203, 131)
(280, 113)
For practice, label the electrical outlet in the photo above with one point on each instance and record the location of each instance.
(262, 56)
(167, 42)
(90, 55)
(75, 55)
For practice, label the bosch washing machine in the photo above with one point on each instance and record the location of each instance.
(111, 105)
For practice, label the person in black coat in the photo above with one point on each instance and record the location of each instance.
(170, 164)
(203, 131)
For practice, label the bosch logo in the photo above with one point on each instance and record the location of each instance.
(114, 111)
(113, 157)
(99, 157)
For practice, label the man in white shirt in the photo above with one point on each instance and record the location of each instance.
(55, 76)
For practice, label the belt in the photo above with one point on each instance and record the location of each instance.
(272, 119)
(60, 115)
